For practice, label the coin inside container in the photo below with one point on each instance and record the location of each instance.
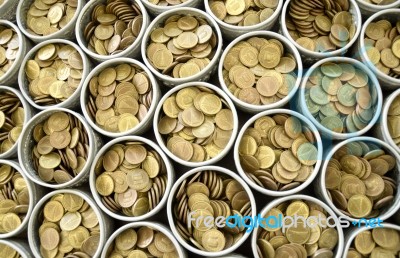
(10, 52)
(14, 248)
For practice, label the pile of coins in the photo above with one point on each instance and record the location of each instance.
(9, 49)
(142, 242)
(382, 45)
(69, 227)
(320, 26)
(209, 193)
(113, 27)
(167, 2)
(243, 13)
(182, 46)
(46, 17)
(359, 179)
(278, 152)
(120, 97)
(131, 178)
(378, 242)
(61, 148)
(12, 116)
(299, 240)
(341, 97)
(14, 199)
(259, 71)
(379, 2)
(196, 123)
(54, 73)
(393, 120)
(6, 250)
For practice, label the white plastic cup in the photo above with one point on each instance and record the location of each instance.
(26, 144)
(203, 75)
(338, 251)
(10, 77)
(263, 190)
(73, 101)
(387, 82)
(320, 187)
(29, 112)
(85, 17)
(105, 222)
(65, 33)
(8, 10)
(156, 10)
(231, 32)
(368, 9)
(18, 245)
(289, 47)
(309, 57)
(375, 90)
(135, 225)
(162, 143)
(171, 216)
(170, 177)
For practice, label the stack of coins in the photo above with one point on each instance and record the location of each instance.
(378, 242)
(393, 120)
(259, 71)
(209, 193)
(278, 152)
(12, 116)
(341, 97)
(182, 46)
(9, 48)
(69, 227)
(301, 239)
(131, 178)
(61, 148)
(382, 45)
(113, 27)
(14, 199)
(359, 179)
(142, 242)
(54, 73)
(320, 26)
(196, 123)
(243, 13)
(46, 17)
(120, 97)
(6, 250)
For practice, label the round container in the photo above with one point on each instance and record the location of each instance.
(156, 10)
(376, 90)
(339, 247)
(171, 215)
(263, 190)
(387, 82)
(231, 32)
(35, 193)
(367, 9)
(27, 142)
(20, 246)
(73, 101)
(170, 176)
(65, 33)
(29, 112)
(309, 57)
(10, 77)
(8, 10)
(160, 139)
(203, 75)
(105, 223)
(153, 225)
(145, 124)
(85, 17)
(289, 47)
(320, 188)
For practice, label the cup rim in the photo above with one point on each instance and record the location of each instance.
(375, 84)
(160, 139)
(82, 41)
(171, 216)
(170, 176)
(318, 55)
(163, 16)
(27, 169)
(395, 4)
(385, 110)
(159, 8)
(15, 246)
(264, 34)
(110, 63)
(329, 155)
(317, 165)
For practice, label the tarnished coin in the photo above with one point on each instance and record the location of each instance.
(9, 49)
